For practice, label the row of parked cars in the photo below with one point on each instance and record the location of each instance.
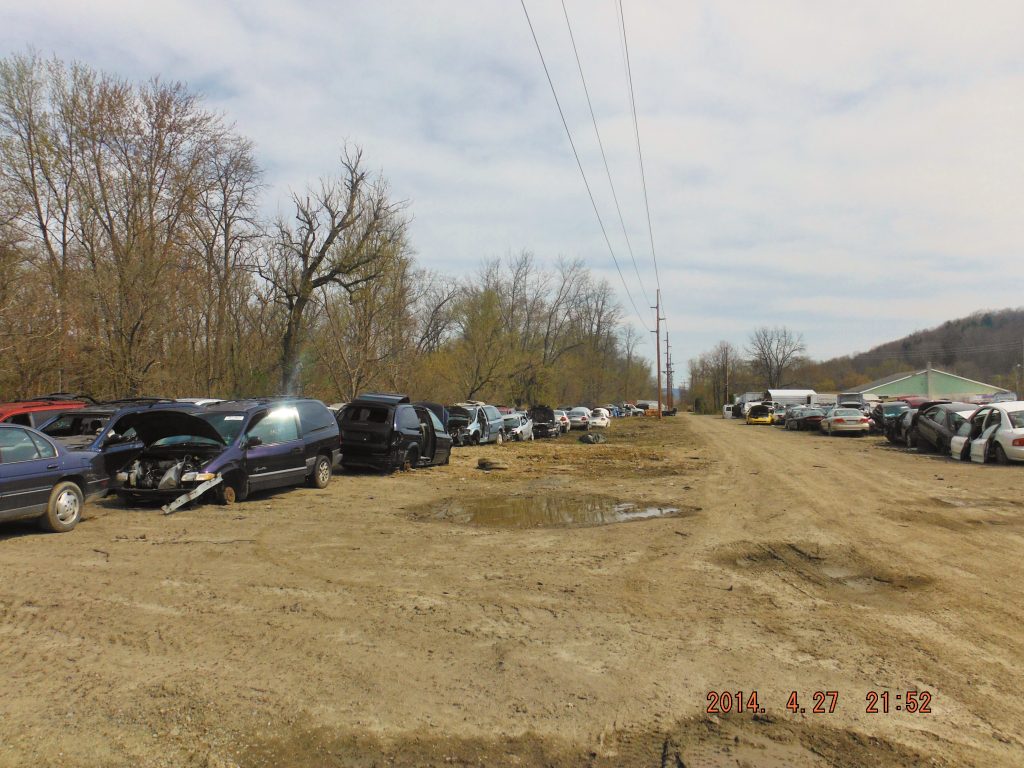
(993, 432)
(58, 451)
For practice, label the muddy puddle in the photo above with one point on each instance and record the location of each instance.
(521, 512)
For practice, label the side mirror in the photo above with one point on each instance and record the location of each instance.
(252, 442)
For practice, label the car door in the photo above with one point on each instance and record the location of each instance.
(980, 442)
(927, 424)
(442, 440)
(28, 471)
(274, 454)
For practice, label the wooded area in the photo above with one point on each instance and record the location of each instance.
(134, 259)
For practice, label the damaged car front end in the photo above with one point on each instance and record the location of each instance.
(183, 454)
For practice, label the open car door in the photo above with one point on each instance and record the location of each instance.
(980, 445)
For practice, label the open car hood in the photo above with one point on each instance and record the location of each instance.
(155, 425)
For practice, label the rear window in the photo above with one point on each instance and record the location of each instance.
(847, 412)
(366, 414)
(408, 418)
(314, 416)
(1017, 419)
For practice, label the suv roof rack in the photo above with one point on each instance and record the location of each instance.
(55, 397)
(392, 398)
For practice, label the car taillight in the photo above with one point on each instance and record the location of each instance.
(1019, 441)
(840, 421)
(864, 421)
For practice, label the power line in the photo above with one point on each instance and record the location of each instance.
(636, 131)
(604, 157)
(579, 164)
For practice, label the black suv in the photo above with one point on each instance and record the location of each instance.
(387, 432)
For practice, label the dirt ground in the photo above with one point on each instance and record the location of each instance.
(351, 627)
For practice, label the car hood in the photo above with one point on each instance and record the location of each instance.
(151, 426)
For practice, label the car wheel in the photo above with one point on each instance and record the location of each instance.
(321, 472)
(1000, 455)
(499, 439)
(64, 509)
(474, 439)
(531, 437)
(226, 494)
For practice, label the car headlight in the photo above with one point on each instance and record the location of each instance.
(197, 477)
(122, 477)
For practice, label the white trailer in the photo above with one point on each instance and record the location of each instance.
(790, 396)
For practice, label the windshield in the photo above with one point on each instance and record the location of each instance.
(229, 425)
(511, 421)
(894, 408)
(184, 440)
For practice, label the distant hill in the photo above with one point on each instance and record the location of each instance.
(984, 346)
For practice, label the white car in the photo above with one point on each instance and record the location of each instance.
(562, 417)
(518, 427)
(845, 420)
(600, 417)
(579, 418)
(995, 432)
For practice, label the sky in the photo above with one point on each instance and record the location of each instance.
(853, 171)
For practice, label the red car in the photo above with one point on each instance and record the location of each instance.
(35, 412)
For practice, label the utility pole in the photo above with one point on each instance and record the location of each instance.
(657, 336)
(668, 374)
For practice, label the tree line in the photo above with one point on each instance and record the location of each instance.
(986, 346)
(134, 259)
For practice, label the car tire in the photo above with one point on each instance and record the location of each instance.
(499, 439)
(226, 494)
(321, 474)
(1000, 455)
(474, 439)
(64, 509)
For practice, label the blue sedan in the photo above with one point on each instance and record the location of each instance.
(43, 480)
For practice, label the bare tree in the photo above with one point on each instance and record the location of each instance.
(343, 231)
(772, 351)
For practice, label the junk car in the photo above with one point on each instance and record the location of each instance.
(546, 422)
(475, 423)
(937, 425)
(41, 479)
(518, 427)
(386, 432)
(39, 410)
(993, 433)
(228, 449)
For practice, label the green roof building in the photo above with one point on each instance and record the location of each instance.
(931, 383)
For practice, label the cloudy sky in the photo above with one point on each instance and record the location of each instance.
(852, 170)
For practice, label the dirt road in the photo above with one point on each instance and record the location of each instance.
(357, 626)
